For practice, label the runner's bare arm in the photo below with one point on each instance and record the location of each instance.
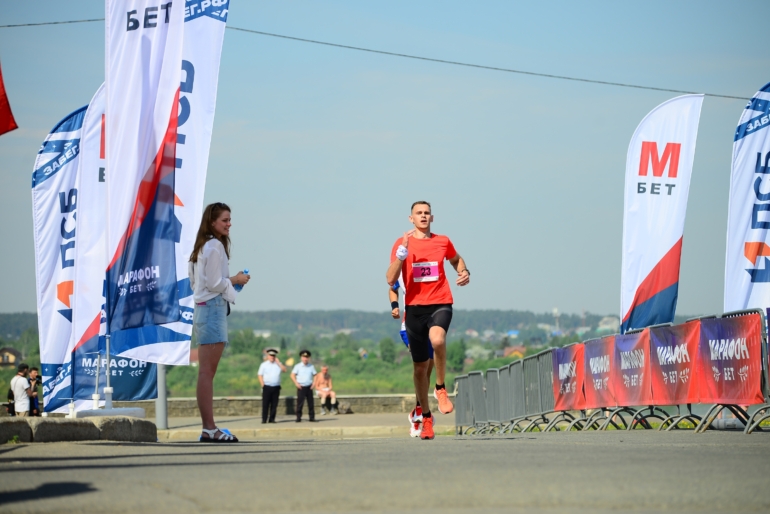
(393, 297)
(394, 270)
(464, 277)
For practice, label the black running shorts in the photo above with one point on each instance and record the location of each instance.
(419, 320)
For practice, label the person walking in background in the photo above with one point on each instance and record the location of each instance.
(22, 391)
(270, 379)
(213, 291)
(323, 388)
(302, 376)
(34, 384)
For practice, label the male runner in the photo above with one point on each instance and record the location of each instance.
(419, 256)
(414, 417)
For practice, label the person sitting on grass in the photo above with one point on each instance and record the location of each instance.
(323, 388)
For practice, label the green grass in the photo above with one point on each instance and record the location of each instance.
(237, 376)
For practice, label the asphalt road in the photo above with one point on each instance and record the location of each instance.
(555, 472)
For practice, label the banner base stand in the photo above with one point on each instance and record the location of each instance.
(133, 412)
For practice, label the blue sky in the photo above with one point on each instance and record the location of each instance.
(320, 151)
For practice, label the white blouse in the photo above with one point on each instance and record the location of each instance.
(210, 276)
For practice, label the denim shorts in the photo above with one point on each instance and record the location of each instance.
(210, 321)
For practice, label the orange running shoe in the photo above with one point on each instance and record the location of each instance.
(427, 429)
(444, 405)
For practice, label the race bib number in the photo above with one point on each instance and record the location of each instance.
(425, 271)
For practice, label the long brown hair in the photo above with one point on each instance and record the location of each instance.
(210, 214)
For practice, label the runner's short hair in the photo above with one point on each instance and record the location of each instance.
(420, 202)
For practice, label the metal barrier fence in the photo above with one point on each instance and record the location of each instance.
(506, 399)
(519, 397)
(463, 412)
(516, 390)
(493, 396)
(478, 400)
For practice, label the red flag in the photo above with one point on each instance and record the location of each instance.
(7, 123)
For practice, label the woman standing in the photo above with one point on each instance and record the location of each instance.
(213, 290)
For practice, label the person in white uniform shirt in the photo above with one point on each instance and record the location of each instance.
(21, 390)
(213, 291)
(303, 375)
(270, 379)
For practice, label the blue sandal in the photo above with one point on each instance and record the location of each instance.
(224, 437)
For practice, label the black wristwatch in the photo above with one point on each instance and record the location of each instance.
(465, 269)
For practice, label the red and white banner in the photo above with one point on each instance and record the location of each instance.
(144, 40)
(598, 363)
(730, 360)
(568, 378)
(673, 360)
(631, 370)
(658, 169)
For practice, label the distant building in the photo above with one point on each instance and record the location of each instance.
(515, 352)
(471, 333)
(512, 334)
(582, 330)
(609, 324)
(477, 353)
(346, 331)
(545, 326)
(263, 333)
(9, 357)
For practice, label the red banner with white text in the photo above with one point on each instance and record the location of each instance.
(597, 363)
(730, 360)
(630, 374)
(673, 363)
(568, 378)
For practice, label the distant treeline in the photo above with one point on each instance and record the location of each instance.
(375, 325)
(365, 325)
(13, 325)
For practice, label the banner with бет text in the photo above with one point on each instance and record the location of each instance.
(131, 379)
(730, 360)
(658, 170)
(204, 28)
(598, 363)
(569, 374)
(143, 55)
(631, 369)
(673, 363)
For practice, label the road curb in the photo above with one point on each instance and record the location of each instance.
(98, 428)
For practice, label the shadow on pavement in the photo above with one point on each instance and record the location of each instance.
(142, 455)
(229, 462)
(45, 491)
